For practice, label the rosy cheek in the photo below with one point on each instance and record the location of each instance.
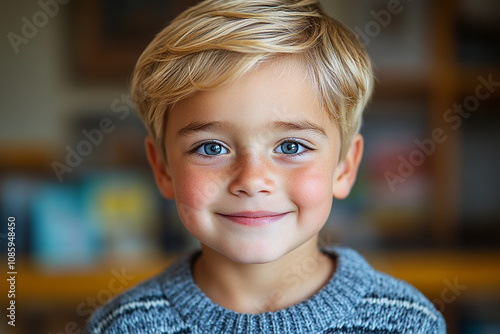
(310, 188)
(196, 189)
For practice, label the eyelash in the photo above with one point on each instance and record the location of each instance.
(297, 141)
(194, 150)
(293, 140)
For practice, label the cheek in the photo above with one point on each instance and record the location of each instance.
(193, 193)
(311, 188)
(195, 189)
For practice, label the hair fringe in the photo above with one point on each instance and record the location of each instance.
(218, 41)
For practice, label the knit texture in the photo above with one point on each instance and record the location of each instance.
(357, 299)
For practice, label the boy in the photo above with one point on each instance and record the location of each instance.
(253, 109)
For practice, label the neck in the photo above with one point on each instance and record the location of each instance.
(258, 288)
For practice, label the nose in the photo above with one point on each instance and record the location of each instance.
(252, 174)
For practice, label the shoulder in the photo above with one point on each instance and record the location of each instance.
(396, 304)
(138, 310)
(399, 304)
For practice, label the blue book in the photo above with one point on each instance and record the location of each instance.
(16, 194)
(62, 235)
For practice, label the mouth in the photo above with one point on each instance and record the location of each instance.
(254, 218)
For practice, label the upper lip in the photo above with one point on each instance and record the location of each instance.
(253, 214)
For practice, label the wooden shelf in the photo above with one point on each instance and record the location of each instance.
(428, 271)
(36, 287)
(27, 157)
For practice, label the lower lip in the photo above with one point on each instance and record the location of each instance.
(260, 221)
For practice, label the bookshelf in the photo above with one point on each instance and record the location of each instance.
(426, 90)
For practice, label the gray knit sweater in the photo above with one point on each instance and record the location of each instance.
(357, 299)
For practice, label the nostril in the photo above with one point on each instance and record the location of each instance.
(251, 182)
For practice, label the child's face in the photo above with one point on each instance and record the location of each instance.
(260, 144)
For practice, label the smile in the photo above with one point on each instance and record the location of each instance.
(258, 218)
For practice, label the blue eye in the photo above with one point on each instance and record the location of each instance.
(211, 149)
(291, 148)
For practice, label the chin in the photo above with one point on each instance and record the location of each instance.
(254, 254)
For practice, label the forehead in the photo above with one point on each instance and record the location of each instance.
(278, 90)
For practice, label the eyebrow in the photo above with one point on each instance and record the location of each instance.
(301, 125)
(195, 127)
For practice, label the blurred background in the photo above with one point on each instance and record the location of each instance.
(90, 222)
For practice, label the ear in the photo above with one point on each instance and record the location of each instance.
(347, 169)
(160, 170)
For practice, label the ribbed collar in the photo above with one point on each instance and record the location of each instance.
(332, 305)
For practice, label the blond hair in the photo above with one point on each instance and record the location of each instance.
(218, 41)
